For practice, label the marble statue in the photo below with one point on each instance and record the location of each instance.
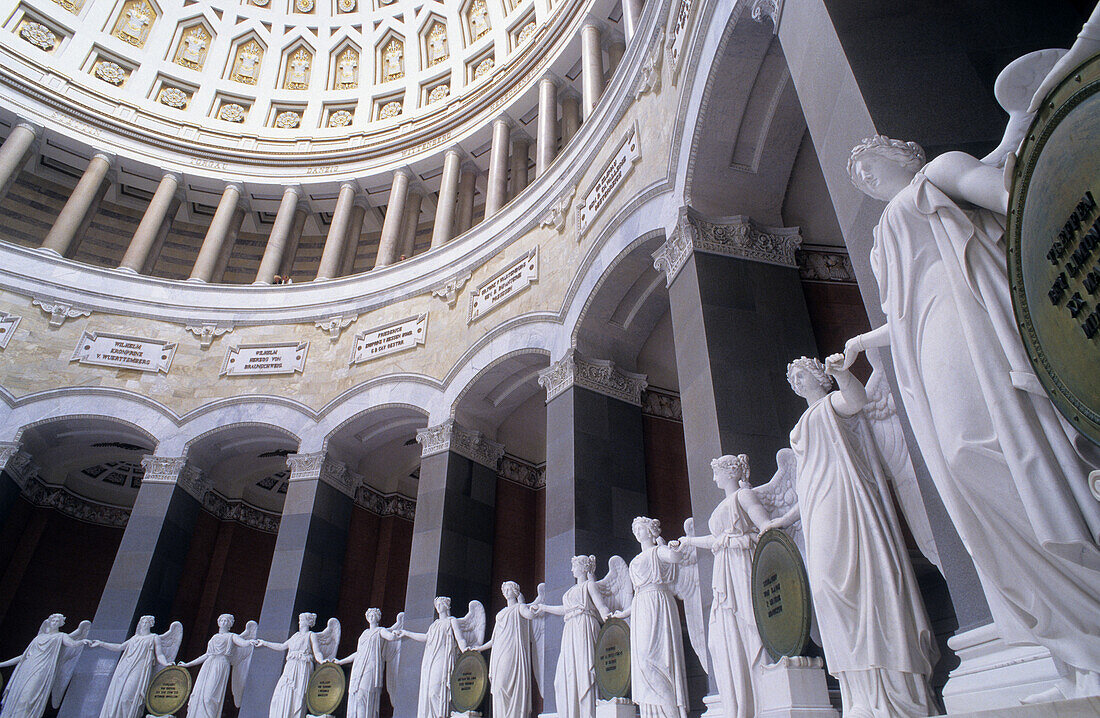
(735, 647)
(658, 677)
(43, 670)
(378, 652)
(226, 653)
(1008, 471)
(141, 654)
(304, 649)
(877, 638)
(445, 639)
(585, 605)
(516, 655)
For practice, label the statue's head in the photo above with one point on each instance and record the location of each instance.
(881, 167)
(56, 620)
(442, 604)
(306, 621)
(225, 621)
(510, 590)
(646, 528)
(730, 468)
(374, 615)
(808, 378)
(145, 624)
(582, 566)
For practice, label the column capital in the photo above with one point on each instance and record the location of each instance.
(598, 375)
(361, 201)
(519, 134)
(175, 470)
(568, 92)
(105, 156)
(322, 466)
(293, 188)
(452, 436)
(553, 78)
(458, 152)
(35, 129)
(594, 23)
(505, 119)
(405, 171)
(350, 184)
(471, 167)
(236, 186)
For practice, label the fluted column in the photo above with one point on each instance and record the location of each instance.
(301, 214)
(216, 235)
(332, 256)
(69, 222)
(546, 148)
(591, 66)
(391, 226)
(156, 214)
(13, 153)
(521, 157)
(467, 183)
(632, 11)
(570, 115)
(448, 198)
(276, 245)
(615, 50)
(497, 192)
(355, 231)
(411, 222)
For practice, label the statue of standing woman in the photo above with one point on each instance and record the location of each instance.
(515, 658)
(43, 669)
(377, 652)
(304, 650)
(141, 654)
(226, 653)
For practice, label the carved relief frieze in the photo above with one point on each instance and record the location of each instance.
(385, 504)
(598, 375)
(240, 512)
(74, 506)
(522, 472)
(825, 265)
(17, 463)
(451, 436)
(662, 404)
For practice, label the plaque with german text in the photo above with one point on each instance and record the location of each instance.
(325, 689)
(469, 681)
(780, 595)
(1053, 243)
(613, 659)
(168, 691)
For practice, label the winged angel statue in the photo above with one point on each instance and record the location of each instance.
(378, 652)
(141, 653)
(226, 653)
(303, 649)
(43, 669)
(445, 639)
(517, 653)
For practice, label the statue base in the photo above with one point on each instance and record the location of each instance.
(993, 675)
(466, 714)
(1055, 709)
(616, 708)
(794, 687)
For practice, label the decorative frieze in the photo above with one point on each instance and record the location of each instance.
(449, 290)
(334, 326)
(610, 179)
(385, 504)
(662, 404)
(521, 472)
(390, 339)
(8, 324)
(240, 512)
(505, 284)
(17, 463)
(262, 359)
(321, 466)
(123, 352)
(207, 333)
(74, 506)
(598, 375)
(59, 311)
(559, 211)
(175, 470)
(451, 436)
(825, 265)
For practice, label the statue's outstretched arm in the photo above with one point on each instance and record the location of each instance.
(963, 177)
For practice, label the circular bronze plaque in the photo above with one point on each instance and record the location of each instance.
(325, 689)
(469, 681)
(168, 691)
(1053, 241)
(613, 659)
(780, 595)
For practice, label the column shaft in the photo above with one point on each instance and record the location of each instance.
(291, 253)
(497, 193)
(570, 117)
(64, 234)
(228, 245)
(444, 226)
(521, 157)
(276, 245)
(333, 253)
(162, 236)
(615, 50)
(220, 227)
(149, 229)
(467, 183)
(632, 11)
(591, 67)
(410, 224)
(391, 225)
(546, 148)
(355, 232)
(13, 153)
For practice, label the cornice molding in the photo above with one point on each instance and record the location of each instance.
(470, 443)
(598, 375)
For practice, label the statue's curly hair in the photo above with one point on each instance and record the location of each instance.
(588, 563)
(736, 465)
(816, 369)
(907, 154)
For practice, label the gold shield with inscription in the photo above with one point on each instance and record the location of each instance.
(613, 659)
(1053, 243)
(325, 689)
(780, 595)
(469, 681)
(168, 691)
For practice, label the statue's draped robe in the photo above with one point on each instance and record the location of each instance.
(365, 686)
(658, 683)
(126, 694)
(1009, 475)
(440, 652)
(575, 676)
(289, 698)
(208, 695)
(510, 672)
(28, 689)
(877, 638)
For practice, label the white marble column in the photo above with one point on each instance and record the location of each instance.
(467, 184)
(333, 253)
(355, 232)
(570, 115)
(591, 66)
(275, 248)
(632, 11)
(444, 226)
(301, 214)
(411, 222)
(13, 153)
(521, 157)
(162, 235)
(497, 192)
(227, 246)
(156, 214)
(546, 144)
(615, 50)
(217, 234)
(69, 222)
(391, 226)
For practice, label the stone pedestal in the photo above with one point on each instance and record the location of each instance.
(794, 688)
(993, 675)
(1074, 708)
(616, 708)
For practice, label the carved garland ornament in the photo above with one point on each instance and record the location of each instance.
(598, 375)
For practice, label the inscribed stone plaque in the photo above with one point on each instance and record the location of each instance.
(122, 352)
(8, 324)
(504, 285)
(390, 339)
(256, 359)
(469, 681)
(325, 689)
(168, 691)
(780, 595)
(613, 659)
(1053, 242)
(609, 180)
